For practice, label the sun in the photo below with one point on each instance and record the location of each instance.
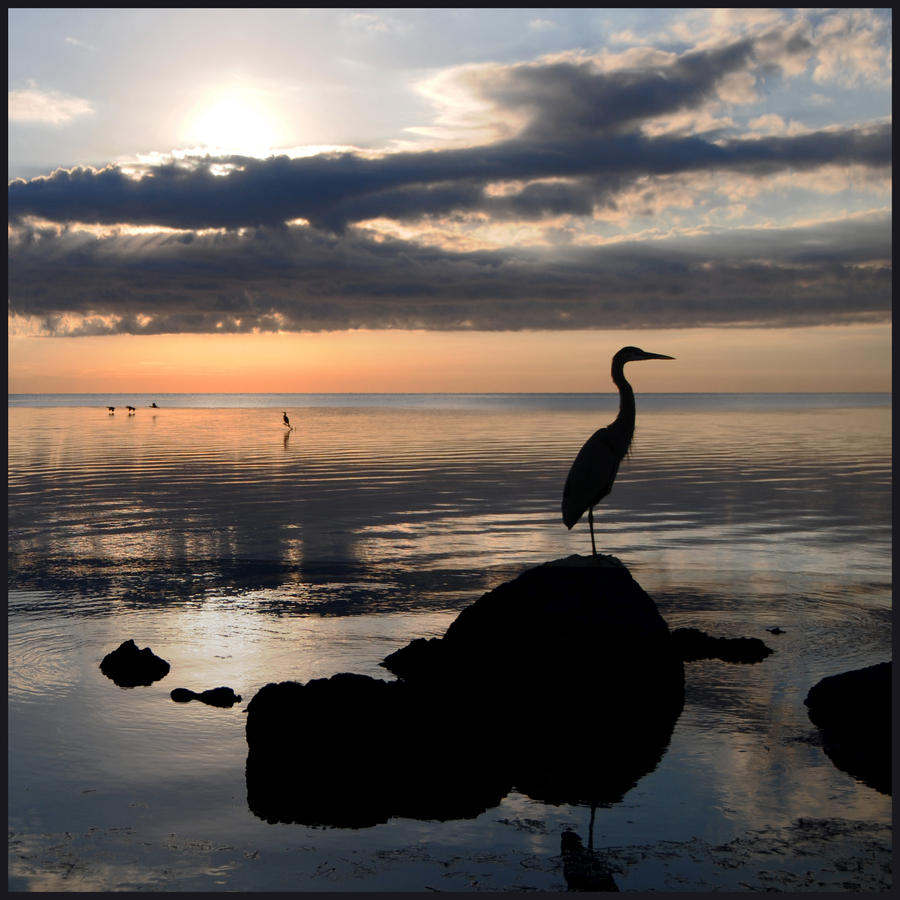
(233, 122)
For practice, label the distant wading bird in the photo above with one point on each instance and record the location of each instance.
(111, 409)
(287, 421)
(130, 410)
(592, 474)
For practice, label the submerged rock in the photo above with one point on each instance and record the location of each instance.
(693, 644)
(128, 666)
(220, 696)
(853, 712)
(563, 683)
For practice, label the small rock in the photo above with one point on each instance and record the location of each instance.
(224, 697)
(692, 644)
(128, 666)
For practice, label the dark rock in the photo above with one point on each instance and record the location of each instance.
(853, 713)
(693, 644)
(220, 696)
(775, 630)
(128, 667)
(352, 751)
(555, 629)
(565, 680)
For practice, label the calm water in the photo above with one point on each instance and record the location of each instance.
(243, 553)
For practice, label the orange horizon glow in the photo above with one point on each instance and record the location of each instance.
(816, 358)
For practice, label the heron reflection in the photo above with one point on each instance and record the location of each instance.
(592, 474)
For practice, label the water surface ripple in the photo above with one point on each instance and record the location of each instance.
(244, 553)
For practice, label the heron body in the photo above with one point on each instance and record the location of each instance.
(594, 470)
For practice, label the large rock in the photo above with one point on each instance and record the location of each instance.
(128, 666)
(352, 751)
(558, 628)
(853, 712)
(562, 683)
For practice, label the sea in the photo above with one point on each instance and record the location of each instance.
(245, 551)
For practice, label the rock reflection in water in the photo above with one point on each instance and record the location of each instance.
(563, 683)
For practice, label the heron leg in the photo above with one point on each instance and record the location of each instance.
(591, 523)
(591, 828)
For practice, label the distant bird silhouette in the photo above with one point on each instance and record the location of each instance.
(287, 421)
(130, 410)
(153, 406)
(111, 409)
(592, 474)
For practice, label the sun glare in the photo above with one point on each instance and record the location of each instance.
(233, 122)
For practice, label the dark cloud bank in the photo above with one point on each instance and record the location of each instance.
(582, 126)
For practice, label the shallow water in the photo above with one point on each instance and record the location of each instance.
(243, 553)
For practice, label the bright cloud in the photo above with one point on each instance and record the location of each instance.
(46, 107)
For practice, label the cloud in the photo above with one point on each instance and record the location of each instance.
(75, 42)
(46, 107)
(301, 279)
(334, 190)
(854, 47)
(578, 121)
(586, 140)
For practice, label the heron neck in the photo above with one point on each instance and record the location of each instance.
(626, 398)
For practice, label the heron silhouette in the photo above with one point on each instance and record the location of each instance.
(592, 474)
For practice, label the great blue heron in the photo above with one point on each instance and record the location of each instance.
(592, 474)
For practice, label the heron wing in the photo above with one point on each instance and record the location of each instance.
(591, 477)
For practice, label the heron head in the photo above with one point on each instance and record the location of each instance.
(632, 354)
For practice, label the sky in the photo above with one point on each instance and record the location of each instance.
(448, 199)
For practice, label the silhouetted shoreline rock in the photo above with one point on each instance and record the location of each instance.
(853, 712)
(693, 644)
(128, 666)
(224, 697)
(563, 683)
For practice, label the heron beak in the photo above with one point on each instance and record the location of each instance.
(656, 356)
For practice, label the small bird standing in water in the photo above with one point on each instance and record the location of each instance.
(111, 409)
(592, 474)
(130, 410)
(287, 421)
